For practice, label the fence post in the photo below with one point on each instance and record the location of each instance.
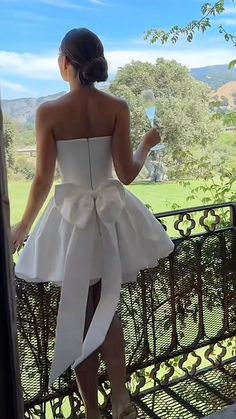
(233, 214)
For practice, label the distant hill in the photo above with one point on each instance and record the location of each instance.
(226, 94)
(215, 76)
(23, 110)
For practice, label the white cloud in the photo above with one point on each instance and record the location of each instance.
(193, 58)
(29, 65)
(228, 21)
(16, 89)
(98, 2)
(65, 4)
(39, 67)
(230, 11)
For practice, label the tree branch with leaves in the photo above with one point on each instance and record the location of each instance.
(209, 12)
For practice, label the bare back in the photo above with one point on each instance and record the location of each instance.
(87, 113)
(84, 114)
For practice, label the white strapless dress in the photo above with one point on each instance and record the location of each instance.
(92, 228)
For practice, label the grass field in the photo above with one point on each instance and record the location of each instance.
(159, 196)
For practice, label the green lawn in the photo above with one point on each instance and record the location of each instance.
(162, 196)
(159, 196)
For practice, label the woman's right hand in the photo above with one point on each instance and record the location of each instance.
(19, 234)
(152, 138)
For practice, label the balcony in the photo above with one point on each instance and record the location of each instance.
(179, 323)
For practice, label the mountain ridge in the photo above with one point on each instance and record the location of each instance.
(215, 76)
(23, 109)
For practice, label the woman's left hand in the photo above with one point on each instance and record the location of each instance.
(19, 234)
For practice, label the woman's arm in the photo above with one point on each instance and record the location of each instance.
(43, 179)
(128, 165)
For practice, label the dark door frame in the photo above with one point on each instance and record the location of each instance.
(11, 400)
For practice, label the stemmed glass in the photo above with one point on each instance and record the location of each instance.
(149, 104)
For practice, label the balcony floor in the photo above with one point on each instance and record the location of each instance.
(195, 397)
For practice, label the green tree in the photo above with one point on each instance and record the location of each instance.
(234, 97)
(230, 118)
(139, 122)
(224, 101)
(10, 134)
(223, 189)
(182, 103)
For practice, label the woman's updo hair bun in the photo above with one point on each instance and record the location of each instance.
(95, 70)
(85, 52)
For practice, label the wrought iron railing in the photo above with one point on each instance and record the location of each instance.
(179, 323)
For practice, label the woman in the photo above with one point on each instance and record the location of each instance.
(94, 234)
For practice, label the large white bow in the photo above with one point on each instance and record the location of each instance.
(76, 204)
(81, 208)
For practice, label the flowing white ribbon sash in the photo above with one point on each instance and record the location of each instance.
(77, 206)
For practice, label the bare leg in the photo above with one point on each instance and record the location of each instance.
(113, 353)
(87, 372)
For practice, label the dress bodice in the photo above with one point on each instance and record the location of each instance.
(86, 162)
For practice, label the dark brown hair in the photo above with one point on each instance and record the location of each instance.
(85, 52)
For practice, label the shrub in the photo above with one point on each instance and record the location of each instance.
(24, 167)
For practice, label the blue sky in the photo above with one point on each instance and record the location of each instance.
(31, 31)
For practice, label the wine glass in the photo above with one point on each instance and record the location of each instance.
(149, 104)
(148, 99)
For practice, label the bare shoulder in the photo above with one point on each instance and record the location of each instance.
(121, 107)
(49, 108)
(46, 107)
(117, 102)
(42, 111)
(52, 103)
